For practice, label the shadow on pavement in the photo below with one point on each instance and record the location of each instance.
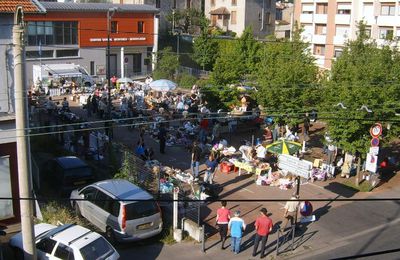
(341, 189)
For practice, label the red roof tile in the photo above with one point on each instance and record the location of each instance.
(9, 6)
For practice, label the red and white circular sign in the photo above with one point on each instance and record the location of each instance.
(376, 130)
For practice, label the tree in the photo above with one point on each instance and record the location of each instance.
(167, 64)
(229, 67)
(205, 47)
(286, 75)
(237, 59)
(364, 75)
(187, 19)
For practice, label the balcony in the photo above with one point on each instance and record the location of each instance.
(320, 18)
(319, 39)
(339, 40)
(342, 19)
(388, 21)
(306, 18)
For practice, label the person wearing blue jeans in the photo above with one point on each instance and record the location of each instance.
(236, 227)
(196, 154)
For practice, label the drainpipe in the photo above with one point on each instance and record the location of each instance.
(7, 81)
(262, 16)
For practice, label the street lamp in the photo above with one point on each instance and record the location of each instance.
(110, 13)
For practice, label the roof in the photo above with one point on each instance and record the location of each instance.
(221, 10)
(97, 7)
(123, 189)
(68, 162)
(28, 6)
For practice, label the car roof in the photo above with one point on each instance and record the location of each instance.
(123, 189)
(74, 234)
(69, 162)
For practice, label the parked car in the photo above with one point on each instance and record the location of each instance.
(67, 241)
(110, 206)
(64, 174)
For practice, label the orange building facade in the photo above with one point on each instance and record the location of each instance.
(78, 33)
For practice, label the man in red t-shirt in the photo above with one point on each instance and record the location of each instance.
(223, 217)
(263, 227)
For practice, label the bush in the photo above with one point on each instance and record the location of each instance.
(186, 80)
(54, 213)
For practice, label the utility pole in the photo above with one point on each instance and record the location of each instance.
(110, 13)
(25, 191)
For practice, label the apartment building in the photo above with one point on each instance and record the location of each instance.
(329, 24)
(236, 15)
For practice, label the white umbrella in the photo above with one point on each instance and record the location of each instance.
(125, 80)
(163, 85)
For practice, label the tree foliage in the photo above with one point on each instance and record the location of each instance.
(167, 64)
(205, 47)
(236, 60)
(188, 20)
(286, 75)
(364, 75)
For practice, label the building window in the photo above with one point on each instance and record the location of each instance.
(344, 8)
(114, 26)
(233, 17)
(388, 9)
(174, 4)
(6, 206)
(368, 9)
(158, 3)
(48, 33)
(307, 8)
(234, 2)
(38, 54)
(368, 31)
(267, 18)
(320, 29)
(67, 53)
(342, 31)
(140, 26)
(386, 33)
(66, 32)
(322, 8)
(212, 3)
(338, 52)
(319, 49)
(188, 3)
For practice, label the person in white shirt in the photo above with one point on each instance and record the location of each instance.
(290, 212)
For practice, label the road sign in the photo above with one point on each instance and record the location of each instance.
(374, 150)
(376, 130)
(375, 142)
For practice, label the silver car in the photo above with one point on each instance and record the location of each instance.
(68, 241)
(119, 208)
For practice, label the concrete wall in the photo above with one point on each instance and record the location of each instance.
(193, 230)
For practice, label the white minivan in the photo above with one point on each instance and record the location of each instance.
(119, 208)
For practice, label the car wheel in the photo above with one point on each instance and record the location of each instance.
(18, 253)
(110, 235)
(77, 210)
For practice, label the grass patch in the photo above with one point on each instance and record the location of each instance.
(364, 186)
(167, 236)
(54, 213)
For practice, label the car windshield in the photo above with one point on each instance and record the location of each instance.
(140, 209)
(97, 250)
